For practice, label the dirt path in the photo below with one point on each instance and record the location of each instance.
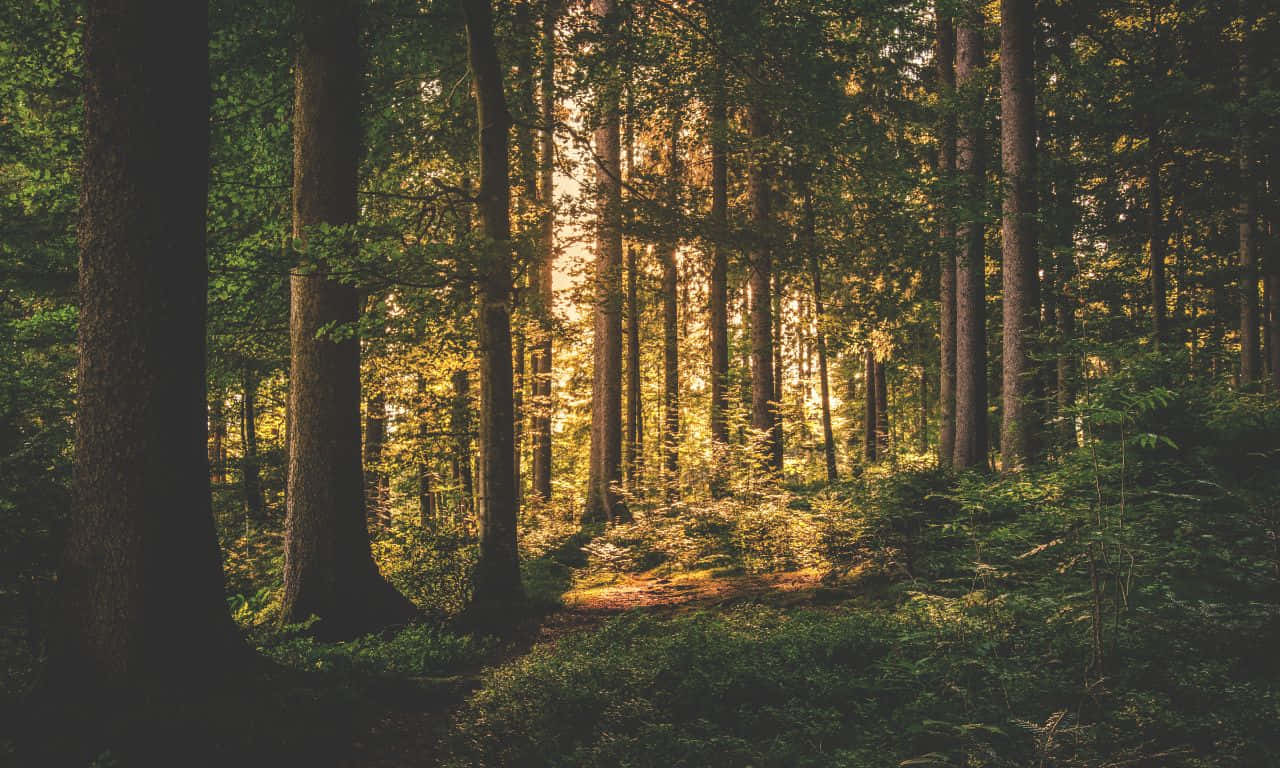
(409, 733)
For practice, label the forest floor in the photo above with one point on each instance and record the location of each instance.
(410, 731)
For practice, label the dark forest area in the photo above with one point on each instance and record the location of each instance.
(567, 383)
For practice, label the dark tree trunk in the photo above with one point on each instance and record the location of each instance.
(944, 55)
(882, 410)
(869, 414)
(218, 437)
(426, 491)
(460, 427)
(820, 339)
(671, 327)
(1155, 232)
(250, 467)
(328, 569)
(1247, 214)
(375, 480)
(545, 298)
(633, 456)
(497, 576)
(717, 297)
(923, 432)
(764, 405)
(1020, 427)
(605, 471)
(140, 599)
(1273, 317)
(971, 331)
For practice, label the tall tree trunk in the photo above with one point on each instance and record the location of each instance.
(717, 296)
(547, 252)
(375, 480)
(605, 471)
(820, 339)
(250, 467)
(764, 406)
(1020, 425)
(1250, 359)
(870, 445)
(460, 427)
(882, 409)
(670, 326)
(140, 592)
(971, 331)
(1155, 232)
(944, 59)
(328, 569)
(426, 491)
(497, 575)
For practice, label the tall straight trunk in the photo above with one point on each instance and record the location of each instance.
(545, 298)
(971, 331)
(1066, 319)
(218, 437)
(820, 340)
(882, 409)
(497, 574)
(426, 490)
(670, 326)
(328, 569)
(1020, 426)
(460, 427)
(250, 466)
(140, 593)
(375, 480)
(717, 296)
(635, 413)
(870, 445)
(1155, 232)
(944, 59)
(1247, 214)
(764, 405)
(605, 471)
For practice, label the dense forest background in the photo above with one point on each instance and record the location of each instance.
(644, 382)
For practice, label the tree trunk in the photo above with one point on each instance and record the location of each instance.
(605, 471)
(1250, 358)
(375, 480)
(1155, 232)
(944, 56)
(717, 297)
(328, 569)
(820, 339)
(497, 575)
(1020, 426)
(460, 428)
(923, 434)
(882, 410)
(971, 331)
(250, 468)
(869, 418)
(671, 328)
(764, 406)
(218, 437)
(545, 297)
(140, 599)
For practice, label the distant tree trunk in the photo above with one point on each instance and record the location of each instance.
(764, 405)
(870, 420)
(1250, 359)
(250, 468)
(717, 297)
(497, 575)
(924, 410)
(328, 569)
(1155, 232)
(971, 333)
(1020, 425)
(140, 593)
(603, 501)
(670, 326)
(635, 411)
(426, 492)
(218, 435)
(545, 296)
(375, 480)
(882, 410)
(460, 428)
(944, 59)
(820, 338)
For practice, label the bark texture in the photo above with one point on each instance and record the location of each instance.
(717, 297)
(764, 406)
(670, 326)
(545, 298)
(820, 340)
(944, 55)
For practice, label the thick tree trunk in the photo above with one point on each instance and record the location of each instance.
(671, 328)
(140, 598)
(882, 410)
(1020, 426)
(375, 480)
(328, 569)
(545, 298)
(820, 339)
(764, 405)
(971, 330)
(497, 576)
(717, 297)
(1247, 215)
(870, 445)
(250, 467)
(944, 56)
(605, 471)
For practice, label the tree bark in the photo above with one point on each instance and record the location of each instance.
(497, 575)
(1020, 425)
(882, 409)
(545, 297)
(328, 569)
(140, 599)
(717, 297)
(250, 468)
(870, 420)
(670, 326)
(1247, 215)
(764, 406)
(944, 60)
(971, 332)
(820, 339)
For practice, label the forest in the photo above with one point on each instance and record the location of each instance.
(710, 383)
